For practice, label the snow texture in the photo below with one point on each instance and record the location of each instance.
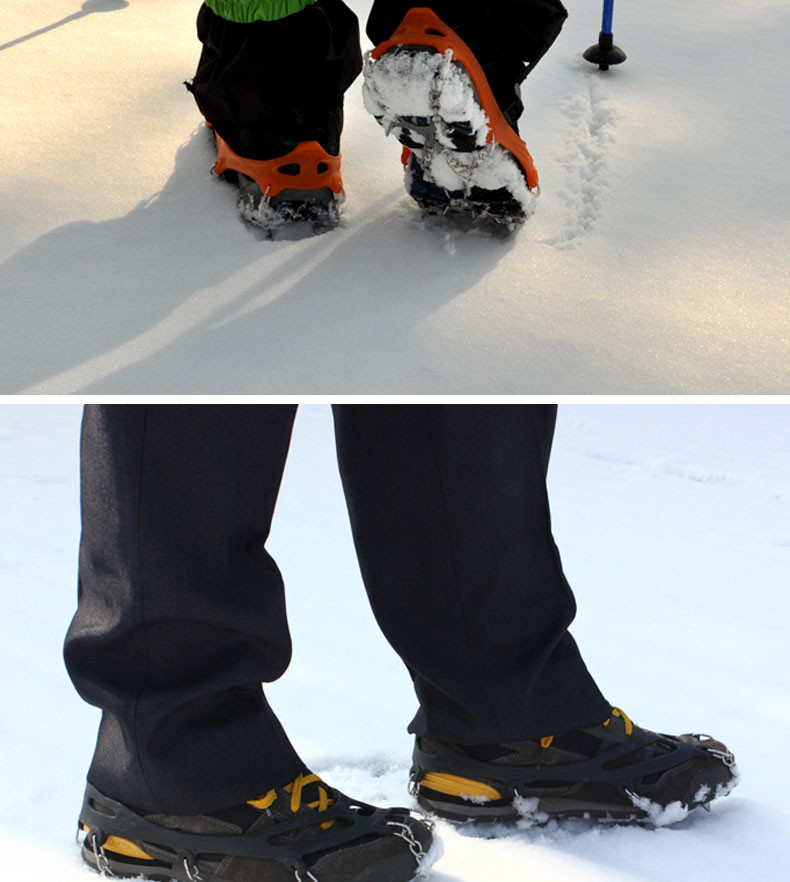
(661, 815)
(475, 798)
(427, 862)
(674, 526)
(527, 807)
(656, 260)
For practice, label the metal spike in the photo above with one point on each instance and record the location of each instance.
(706, 805)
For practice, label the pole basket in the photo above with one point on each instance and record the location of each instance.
(604, 53)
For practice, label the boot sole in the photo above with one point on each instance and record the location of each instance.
(396, 869)
(540, 809)
(292, 212)
(429, 99)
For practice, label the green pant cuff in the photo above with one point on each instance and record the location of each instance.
(247, 11)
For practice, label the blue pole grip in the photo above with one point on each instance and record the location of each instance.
(608, 13)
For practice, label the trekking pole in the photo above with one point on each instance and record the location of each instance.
(604, 52)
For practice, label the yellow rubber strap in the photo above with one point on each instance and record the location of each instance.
(117, 845)
(455, 785)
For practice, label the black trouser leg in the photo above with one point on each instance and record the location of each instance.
(269, 83)
(181, 613)
(451, 523)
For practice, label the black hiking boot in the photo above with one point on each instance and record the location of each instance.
(304, 832)
(272, 93)
(290, 185)
(462, 154)
(614, 771)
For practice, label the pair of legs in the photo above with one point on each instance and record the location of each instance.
(274, 72)
(443, 78)
(181, 611)
(181, 617)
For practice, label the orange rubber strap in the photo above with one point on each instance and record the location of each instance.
(314, 168)
(422, 27)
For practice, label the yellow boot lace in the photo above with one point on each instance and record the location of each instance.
(295, 789)
(616, 712)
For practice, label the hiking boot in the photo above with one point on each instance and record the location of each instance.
(304, 831)
(300, 188)
(271, 87)
(461, 153)
(614, 771)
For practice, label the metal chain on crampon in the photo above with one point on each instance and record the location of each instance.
(434, 103)
(465, 171)
(192, 871)
(725, 756)
(102, 863)
(404, 832)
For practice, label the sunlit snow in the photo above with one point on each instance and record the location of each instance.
(656, 260)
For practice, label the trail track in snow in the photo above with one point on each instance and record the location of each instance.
(591, 115)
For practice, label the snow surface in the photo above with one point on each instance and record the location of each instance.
(674, 525)
(657, 260)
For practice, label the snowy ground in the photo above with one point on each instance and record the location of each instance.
(657, 260)
(674, 524)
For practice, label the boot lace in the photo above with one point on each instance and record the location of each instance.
(295, 789)
(616, 712)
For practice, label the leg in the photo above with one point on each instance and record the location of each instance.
(451, 521)
(181, 611)
(508, 37)
(270, 83)
(445, 81)
(273, 74)
(180, 618)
